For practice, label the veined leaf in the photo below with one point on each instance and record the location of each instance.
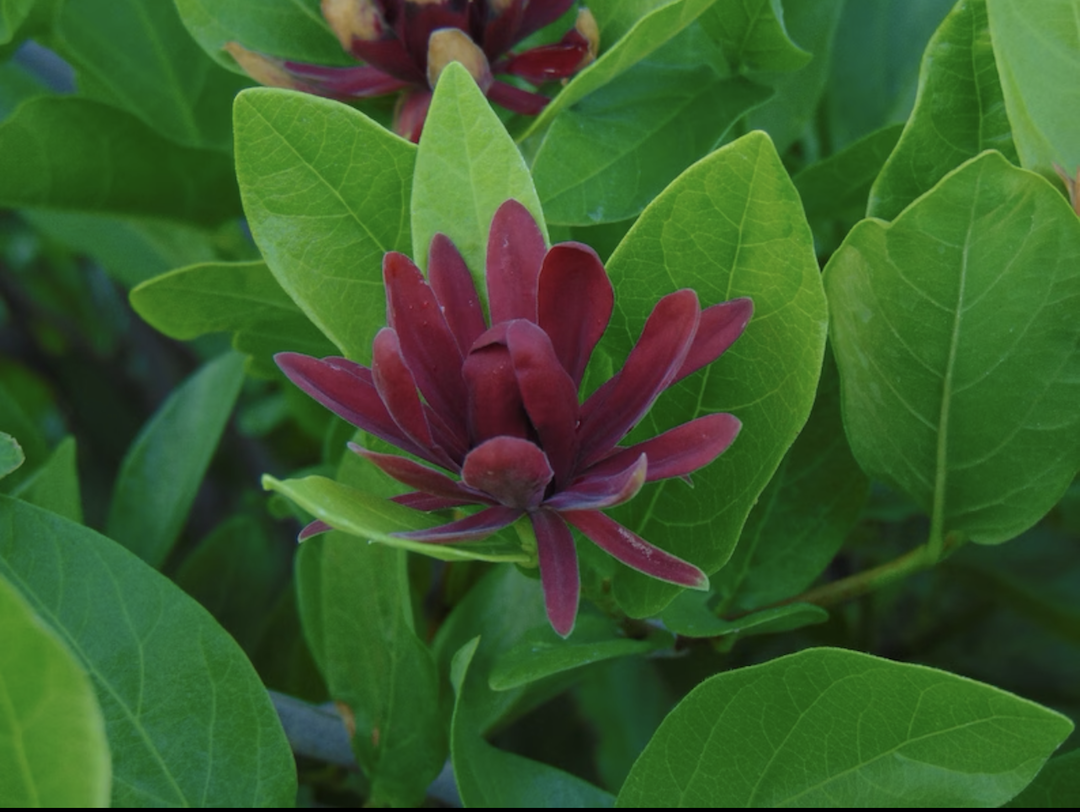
(753, 36)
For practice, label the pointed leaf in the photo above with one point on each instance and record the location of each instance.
(955, 334)
(844, 729)
(326, 191)
(165, 465)
(155, 657)
(55, 485)
(753, 37)
(53, 750)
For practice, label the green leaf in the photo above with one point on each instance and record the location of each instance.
(189, 723)
(466, 167)
(827, 727)
(12, 15)
(840, 184)
(11, 454)
(375, 519)
(355, 605)
(875, 64)
(136, 55)
(753, 36)
(805, 513)
(1057, 786)
(751, 240)
(55, 485)
(53, 750)
(955, 333)
(164, 467)
(243, 298)
(690, 616)
(491, 778)
(541, 653)
(1038, 55)
(326, 191)
(959, 112)
(643, 37)
(607, 157)
(17, 84)
(25, 404)
(292, 29)
(117, 164)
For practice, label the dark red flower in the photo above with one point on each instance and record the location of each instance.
(405, 44)
(498, 406)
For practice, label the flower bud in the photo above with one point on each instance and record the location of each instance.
(453, 45)
(353, 19)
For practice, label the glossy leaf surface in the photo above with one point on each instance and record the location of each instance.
(955, 334)
(113, 612)
(959, 112)
(165, 465)
(53, 750)
(839, 728)
(326, 191)
(731, 226)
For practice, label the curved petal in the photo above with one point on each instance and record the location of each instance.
(358, 82)
(494, 400)
(598, 492)
(410, 113)
(678, 452)
(499, 31)
(453, 286)
(548, 63)
(313, 529)
(471, 528)
(537, 15)
(427, 503)
(574, 305)
(524, 102)
(515, 252)
(421, 477)
(512, 471)
(558, 570)
(717, 330)
(346, 389)
(632, 550)
(547, 392)
(616, 407)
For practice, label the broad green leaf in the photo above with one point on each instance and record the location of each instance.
(955, 333)
(12, 15)
(730, 226)
(875, 64)
(959, 112)
(71, 153)
(53, 750)
(615, 18)
(491, 778)
(130, 249)
(240, 297)
(293, 29)
(1057, 786)
(840, 184)
(608, 156)
(355, 605)
(1038, 55)
(466, 167)
(753, 36)
(165, 465)
(828, 727)
(17, 84)
(137, 55)
(375, 519)
(646, 35)
(690, 616)
(55, 485)
(188, 722)
(541, 653)
(326, 191)
(11, 454)
(805, 513)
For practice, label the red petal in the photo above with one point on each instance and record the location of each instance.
(632, 550)
(427, 503)
(515, 99)
(550, 62)
(539, 14)
(720, 325)
(558, 570)
(593, 492)
(548, 394)
(494, 398)
(421, 19)
(420, 476)
(678, 452)
(471, 528)
(514, 254)
(427, 344)
(512, 471)
(500, 29)
(575, 303)
(453, 286)
(616, 407)
(360, 82)
(411, 113)
(313, 529)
